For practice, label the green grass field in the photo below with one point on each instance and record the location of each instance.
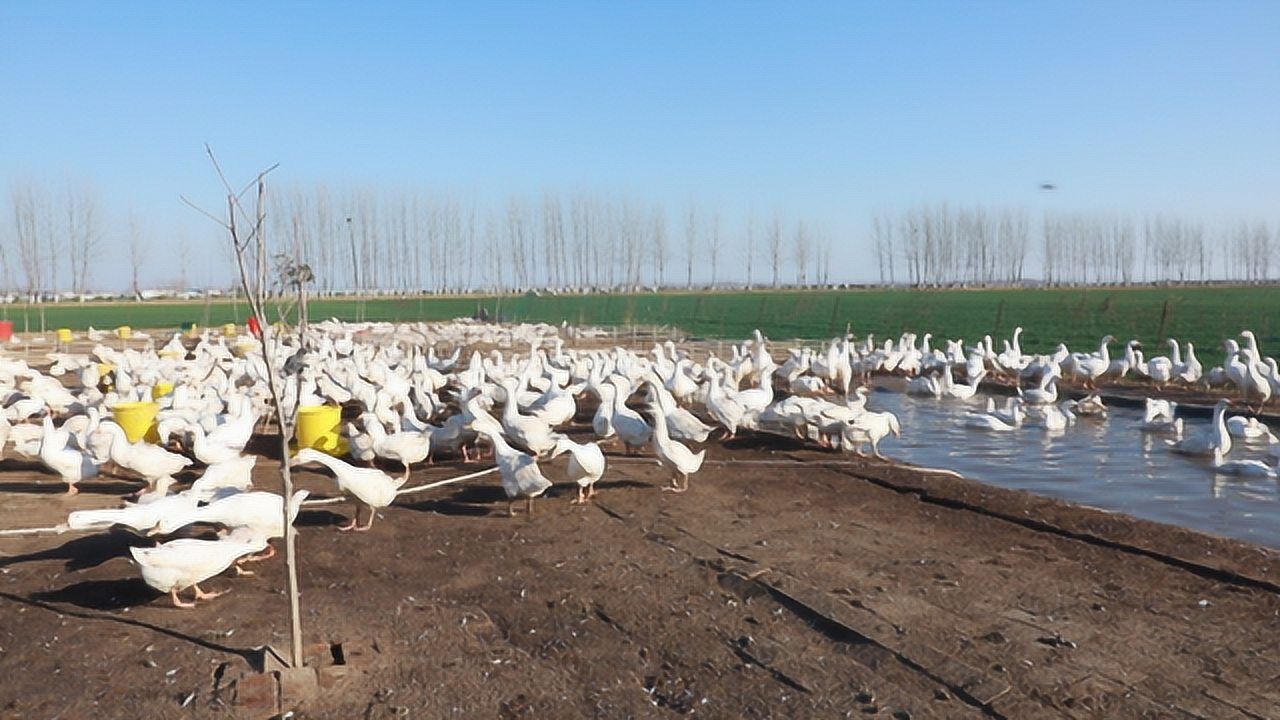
(1078, 317)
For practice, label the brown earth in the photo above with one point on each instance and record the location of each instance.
(786, 583)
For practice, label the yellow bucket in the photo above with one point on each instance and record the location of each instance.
(229, 329)
(138, 419)
(105, 369)
(160, 389)
(318, 428)
(64, 335)
(193, 331)
(124, 332)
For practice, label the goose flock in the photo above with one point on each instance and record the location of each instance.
(515, 393)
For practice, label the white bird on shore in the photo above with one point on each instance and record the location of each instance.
(521, 476)
(369, 486)
(680, 460)
(632, 430)
(869, 428)
(142, 516)
(150, 462)
(261, 513)
(236, 474)
(70, 464)
(405, 447)
(185, 563)
(586, 466)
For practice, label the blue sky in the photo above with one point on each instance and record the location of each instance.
(826, 111)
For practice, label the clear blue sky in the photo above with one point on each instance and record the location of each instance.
(827, 111)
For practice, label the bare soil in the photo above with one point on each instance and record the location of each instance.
(786, 583)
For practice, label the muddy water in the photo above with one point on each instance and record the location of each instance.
(1107, 463)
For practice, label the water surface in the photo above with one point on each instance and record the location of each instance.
(1107, 463)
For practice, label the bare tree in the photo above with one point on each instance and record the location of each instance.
(137, 250)
(83, 233)
(30, 225)
(801, 256)
(691, 242)
(751, 247)
(660, 244)
(251, 258)
(714, 244)
(773, 239)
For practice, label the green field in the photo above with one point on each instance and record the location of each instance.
(1204, 315)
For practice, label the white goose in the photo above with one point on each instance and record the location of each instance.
(236, 474)
(532, 433)
(1047, 392)
(70, 464)
(1211, 438)
(151, 462)
(370, 487)
(406, 448)
(261, 513)
(677, 458)
(1241, 468)
(869, 428)
(185, 563)
(681, 424)
(632, 430)
(586, 466)
(521, 476)
(1251, 428)
(724, 409)
(967, 390)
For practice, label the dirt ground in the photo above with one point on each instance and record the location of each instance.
(787, 583)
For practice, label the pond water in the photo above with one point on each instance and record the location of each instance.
(1107, 463)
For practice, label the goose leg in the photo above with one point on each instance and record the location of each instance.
(592, 492)
(582, 498)
(177, 601)
(373, 513)
(355, 520)
(239, 568)
(270, 552)
(202, 595)
(528, 503)
(73, 490)
(511, 508)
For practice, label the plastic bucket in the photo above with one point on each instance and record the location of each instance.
(161, 389)
(6, 330)
(64, 335)
(190, 329)
(229, 329)
(318, 428)
(138, 419)
(124, 332)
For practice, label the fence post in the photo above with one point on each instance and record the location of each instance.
(1164, 318)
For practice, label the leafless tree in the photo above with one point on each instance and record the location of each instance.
(660, 244)
(773, 239)
(137, 251)
(801, 255)
(83, 233)
(31, 226)
(714, 244)
(691, 242)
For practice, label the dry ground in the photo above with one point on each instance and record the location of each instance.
(786, 583)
